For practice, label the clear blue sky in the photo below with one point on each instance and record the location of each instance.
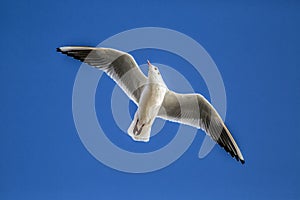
(255, 46)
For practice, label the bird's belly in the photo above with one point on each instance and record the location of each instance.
(150, 103)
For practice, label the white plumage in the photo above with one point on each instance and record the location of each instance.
(154, 99)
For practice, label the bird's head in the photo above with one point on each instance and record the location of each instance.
(154, 74)
(152, 70)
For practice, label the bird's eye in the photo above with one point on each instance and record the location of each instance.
(155, 68)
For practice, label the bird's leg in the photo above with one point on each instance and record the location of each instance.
(139, 132)
(135, 129)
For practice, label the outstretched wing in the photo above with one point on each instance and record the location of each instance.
(120, 66)
(196, 111)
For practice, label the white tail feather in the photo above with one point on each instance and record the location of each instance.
(144, 135)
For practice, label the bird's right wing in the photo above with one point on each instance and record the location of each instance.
(120, 66)
(196, 111)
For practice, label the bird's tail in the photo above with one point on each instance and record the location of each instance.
(139, 133)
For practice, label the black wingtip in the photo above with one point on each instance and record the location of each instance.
(58, 49)
(242, 161)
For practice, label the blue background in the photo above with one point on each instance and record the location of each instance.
(255, 46)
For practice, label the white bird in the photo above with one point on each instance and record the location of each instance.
(154, 99)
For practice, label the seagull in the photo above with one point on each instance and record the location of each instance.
(153, 97)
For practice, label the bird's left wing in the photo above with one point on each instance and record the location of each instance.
(120, 66)
(196, 111)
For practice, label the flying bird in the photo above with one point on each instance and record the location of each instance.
(153, 97)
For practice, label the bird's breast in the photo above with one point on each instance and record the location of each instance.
(150, 102)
